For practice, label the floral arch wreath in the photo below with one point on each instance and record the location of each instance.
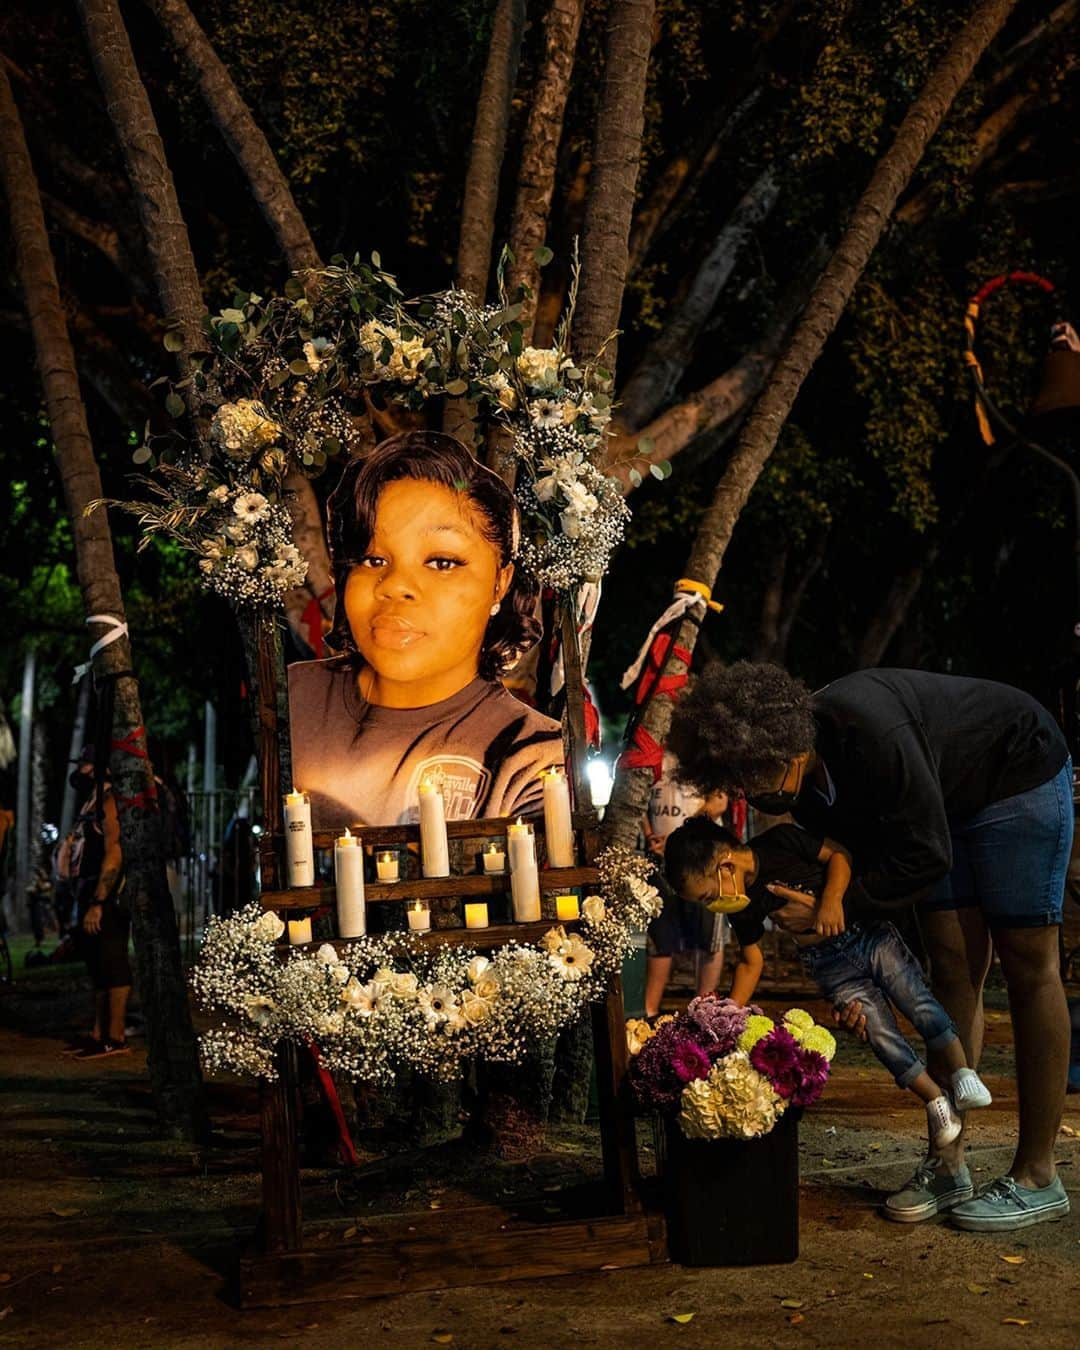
(287, 382)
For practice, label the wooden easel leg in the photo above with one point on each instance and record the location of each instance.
(279, 1104)
(617, 1136)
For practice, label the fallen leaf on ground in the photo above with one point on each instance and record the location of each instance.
(791, 1303)
(56, 1269)
(875, 1148)
(866, 1275)
(681, 1318)
(609, 1267)
(442, 1337)
(1067, 1129)
(66, 1213)
(795, 1319)
(350, 1232)
(978, 1289)
(1016, 1321)
(1015, 1260)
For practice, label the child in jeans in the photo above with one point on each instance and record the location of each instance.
(799, 881)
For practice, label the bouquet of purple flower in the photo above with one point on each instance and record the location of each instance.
(729, 1071)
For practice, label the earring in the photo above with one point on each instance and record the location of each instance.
(495, 608)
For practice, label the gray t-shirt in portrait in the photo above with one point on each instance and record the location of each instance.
(363, 764)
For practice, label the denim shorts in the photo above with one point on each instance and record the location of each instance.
(1010, 858)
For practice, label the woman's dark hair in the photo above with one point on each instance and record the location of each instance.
(431, 457)
(738, 726)
(689, 850)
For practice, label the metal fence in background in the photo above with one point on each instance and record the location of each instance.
(221, 870)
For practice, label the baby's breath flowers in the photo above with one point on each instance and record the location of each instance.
(382, 1005)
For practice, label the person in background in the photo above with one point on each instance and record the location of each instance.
(681, 927)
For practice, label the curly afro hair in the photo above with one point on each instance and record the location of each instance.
(738, 726)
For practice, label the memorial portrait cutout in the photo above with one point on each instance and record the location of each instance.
(430, 612)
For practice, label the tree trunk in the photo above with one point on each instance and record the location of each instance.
(886, 622)
(242, 133)
(23, 813)
(151, 180)
(488, 146)
(540, 151)
(630, 794)
(655, 380)
(609, 207)
(172, 1057)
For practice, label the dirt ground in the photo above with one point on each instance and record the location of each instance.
(111, 1237)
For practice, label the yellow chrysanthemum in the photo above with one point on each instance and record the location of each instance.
(798, 1017)
(757, 1026)
(820, 1039)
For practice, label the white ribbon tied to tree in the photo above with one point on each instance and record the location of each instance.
(116, 630)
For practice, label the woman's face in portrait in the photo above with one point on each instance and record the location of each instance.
(420, 600)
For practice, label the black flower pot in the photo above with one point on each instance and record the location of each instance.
(732, 1202)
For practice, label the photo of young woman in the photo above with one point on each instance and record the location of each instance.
(430, 612)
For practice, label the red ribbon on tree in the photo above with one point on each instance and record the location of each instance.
(645, 753)
(333, 1101)
(652, 681)
(130, 745)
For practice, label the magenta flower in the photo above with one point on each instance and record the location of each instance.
(777, 1057)
(666, 1063)
(689, 1061)
(814, 1071)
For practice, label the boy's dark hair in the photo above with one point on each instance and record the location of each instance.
(431, 457)
(689, 850)
(738, 726)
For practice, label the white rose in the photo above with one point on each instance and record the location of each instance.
(474, 1009)
(477, 966)
(594, 909)
(247, 557)
(383, 979)
(553, 939)
(269, 927)
(326, 955)
(404, 985)
(487, 987)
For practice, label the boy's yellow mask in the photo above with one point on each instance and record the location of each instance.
(729, 901)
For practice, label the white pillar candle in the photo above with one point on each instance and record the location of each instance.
(566, 907)
(558, 826)
(494, 858)
(476, 914)
(299, 931)
(349, 880)
(524, 877)
(434, 849)
(386, 866)
(298, 846)
(419, 915)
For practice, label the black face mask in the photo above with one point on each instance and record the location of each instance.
(83, 783)
(774, 803)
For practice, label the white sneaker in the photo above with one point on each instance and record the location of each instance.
(944, 1123)
(968, 1090)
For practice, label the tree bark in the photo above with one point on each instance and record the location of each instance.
(172, 1057)
(242, 133)
(655, 380)
(609, 206)
(151, 179)
(488, 147)
(630, 794)
(540, 151)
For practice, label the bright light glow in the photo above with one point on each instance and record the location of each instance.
(600, 781)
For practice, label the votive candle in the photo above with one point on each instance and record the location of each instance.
(419, 915)
(349, 881)
(558, 826)
(386, 865)
(434, 848)
(494, 858)
(476, 914)
(567, 907)
(524, 877)
(299, 852)
(299, 932)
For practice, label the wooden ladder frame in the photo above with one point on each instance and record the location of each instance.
(401, 1253)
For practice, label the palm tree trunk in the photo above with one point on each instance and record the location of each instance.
(242, 133)
(173, 1062)
(657, 377)
(609, 207)
(488, 146)
(151, 179)
(630, 794)
(540, 151)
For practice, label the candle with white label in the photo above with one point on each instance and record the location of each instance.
(558, 826)
(349, 881)
(566, 907)
(494, 858)
(299, 931)
(419, 915)
(434, 849)
(386, 865)
(524, 877)
(476, 914)
(298, 846)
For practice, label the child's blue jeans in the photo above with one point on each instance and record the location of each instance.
(871, 962)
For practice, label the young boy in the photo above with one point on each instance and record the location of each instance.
(799, 881)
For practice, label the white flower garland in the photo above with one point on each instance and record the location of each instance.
(381, 1005)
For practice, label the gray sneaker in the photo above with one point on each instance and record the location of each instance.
(930, 1191)
(1004, 1205)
